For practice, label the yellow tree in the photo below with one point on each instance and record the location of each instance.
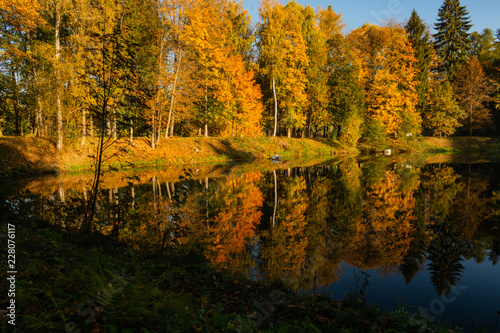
(170, 59)
(241, 99)
(388, 77)
(214, 43)
(294, 83)
(22, 14)
(283, 60)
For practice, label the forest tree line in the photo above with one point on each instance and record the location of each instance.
(163, 68)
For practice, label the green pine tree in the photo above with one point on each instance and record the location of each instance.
(420, 38)
(452, 39)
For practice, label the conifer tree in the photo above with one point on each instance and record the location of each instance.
(452, 39)
(420, 39)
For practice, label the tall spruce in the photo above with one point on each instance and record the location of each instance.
(420, 39)
(452, 38)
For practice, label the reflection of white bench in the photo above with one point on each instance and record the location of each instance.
(387, 152)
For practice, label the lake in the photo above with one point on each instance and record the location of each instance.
(392, 232)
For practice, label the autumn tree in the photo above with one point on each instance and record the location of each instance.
(22, 14)
(228, 94)
(452, 37)
(18, 22)
(473, 90)
(283, 60)
(388, 78)
(483, 45)
(344, 100)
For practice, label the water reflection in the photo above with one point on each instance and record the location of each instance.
(300, 224)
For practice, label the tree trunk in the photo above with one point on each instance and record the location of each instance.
(275, 196)
(59, 145)
(275, 109)
(470, 119)
(38, 111)
(172, 126)
(158, 134)
(39, 117)
(153, 132)
(61, 193)
(206, 110)
(113, 128)
(133, 196)
(172, 96)
(131, 137)
(16, 104)
(84, 127)
(108, 124)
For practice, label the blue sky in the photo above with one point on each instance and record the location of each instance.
(484, 13)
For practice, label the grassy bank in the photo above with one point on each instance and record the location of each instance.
(29, 155)
(460, 145)
(21, 155)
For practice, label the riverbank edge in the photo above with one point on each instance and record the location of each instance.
(31, 156)
(36, 156)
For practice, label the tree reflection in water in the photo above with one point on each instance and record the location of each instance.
(300, 224)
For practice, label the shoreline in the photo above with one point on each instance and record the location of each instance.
(20, 156)
(32, 156)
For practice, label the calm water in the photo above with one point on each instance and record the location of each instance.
(425, 236)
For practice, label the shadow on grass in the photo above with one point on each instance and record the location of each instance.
(329, 142)
(231, 153)
(15, 160)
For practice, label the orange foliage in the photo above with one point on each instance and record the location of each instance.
(212, 43)
(236, 221)
(384, 228)
(388, 76)
(23, 14)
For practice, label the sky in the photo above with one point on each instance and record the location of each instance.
(355, 13)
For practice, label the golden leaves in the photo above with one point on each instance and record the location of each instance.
(388, 71)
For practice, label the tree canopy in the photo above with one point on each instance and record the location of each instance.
(192, 67)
